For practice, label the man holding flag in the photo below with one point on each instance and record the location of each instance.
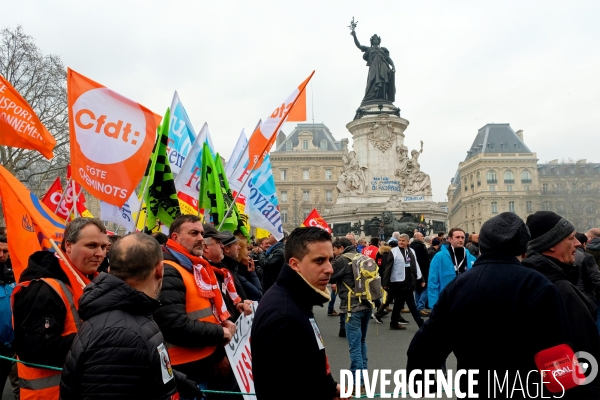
(45, 304)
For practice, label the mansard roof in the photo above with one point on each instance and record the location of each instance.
(496, 138)
(319, 132)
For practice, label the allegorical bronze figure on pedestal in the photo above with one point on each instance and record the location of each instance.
(381, 78)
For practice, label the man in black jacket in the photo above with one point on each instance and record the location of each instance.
(288, 352)
(119, 352)
(496, 285)
(272, 260)
(418, 246)
(196, 339)
(551, 251)
(45, 324)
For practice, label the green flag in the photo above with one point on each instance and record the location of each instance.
(210, 196)
(161, 196)
(233, 221)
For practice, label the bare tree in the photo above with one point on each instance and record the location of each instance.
(41, 80)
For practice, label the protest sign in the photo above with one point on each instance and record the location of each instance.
(111, 139)
(239, 355)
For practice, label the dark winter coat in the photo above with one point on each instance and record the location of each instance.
(39, 313)
(421, 252)
(411, 280)
(271, 265)
(288, 359)
(580, 310)
(467, 320)
(116, 352)
(180, 330)
(593, 247)
(251, 283)
(231, 265)
(430, 253)
(589, 275)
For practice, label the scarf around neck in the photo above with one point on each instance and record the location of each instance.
(206, 280)
(75, 286)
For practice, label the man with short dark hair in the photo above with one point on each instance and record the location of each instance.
(372, 249)
(450, 261)
(193, 316)
(288, 353)
(119, 351)
(420, 250)
(46, 300)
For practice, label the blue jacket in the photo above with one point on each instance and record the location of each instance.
(441, 273)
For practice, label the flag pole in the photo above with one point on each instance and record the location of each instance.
(62, 196)
(262, 154)
(66, 260)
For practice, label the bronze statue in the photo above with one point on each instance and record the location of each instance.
(381, 78)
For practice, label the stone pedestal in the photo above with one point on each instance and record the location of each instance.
(378, 169)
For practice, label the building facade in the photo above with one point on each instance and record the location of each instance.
(306, 165)
(500, 173)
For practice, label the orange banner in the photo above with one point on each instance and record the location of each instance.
(19, 125)
(315, 219)
(111, 139)
(29, 223)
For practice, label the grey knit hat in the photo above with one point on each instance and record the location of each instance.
(505, 233)
(547, 229)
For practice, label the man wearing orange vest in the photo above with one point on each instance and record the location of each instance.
(46, 301)
(193, 316)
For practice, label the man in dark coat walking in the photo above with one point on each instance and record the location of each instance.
(465, 320)
(119, 352)
(288, 352)
(420, 249)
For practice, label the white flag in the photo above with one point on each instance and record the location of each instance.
(121, 215)
(188, 180)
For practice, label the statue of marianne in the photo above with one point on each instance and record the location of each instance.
(381, 78)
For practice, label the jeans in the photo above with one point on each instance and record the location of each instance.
(330, 307)
(400, 296)
(421, 299)
(356, 333)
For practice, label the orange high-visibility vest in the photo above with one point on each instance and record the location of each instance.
(196, 308)
(40, 383)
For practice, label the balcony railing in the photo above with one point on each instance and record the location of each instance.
(509, 181)
(525, 180)
(492, 181)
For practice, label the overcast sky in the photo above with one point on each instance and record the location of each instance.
(459, 64)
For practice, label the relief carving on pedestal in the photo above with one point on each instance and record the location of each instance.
(413, 180)
(381, 135)
(352, 180)
(393, 203)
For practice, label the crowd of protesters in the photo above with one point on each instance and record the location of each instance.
(149, 316)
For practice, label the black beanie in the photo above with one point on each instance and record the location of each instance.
(547, 229)
(505, 233)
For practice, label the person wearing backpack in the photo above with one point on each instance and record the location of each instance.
(356, 297)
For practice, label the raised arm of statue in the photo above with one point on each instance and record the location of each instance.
(362, 48)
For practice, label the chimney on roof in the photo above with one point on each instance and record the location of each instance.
(520, 135)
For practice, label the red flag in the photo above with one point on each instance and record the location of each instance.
(315, 219)
(53, 195)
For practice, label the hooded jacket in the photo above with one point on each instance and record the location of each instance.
(271, 263)
(39, 313)
(119, 351)
(288, 353)
(580, 310)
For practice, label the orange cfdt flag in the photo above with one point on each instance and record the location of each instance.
(111, 139)
(29, 223)
(19, 125)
